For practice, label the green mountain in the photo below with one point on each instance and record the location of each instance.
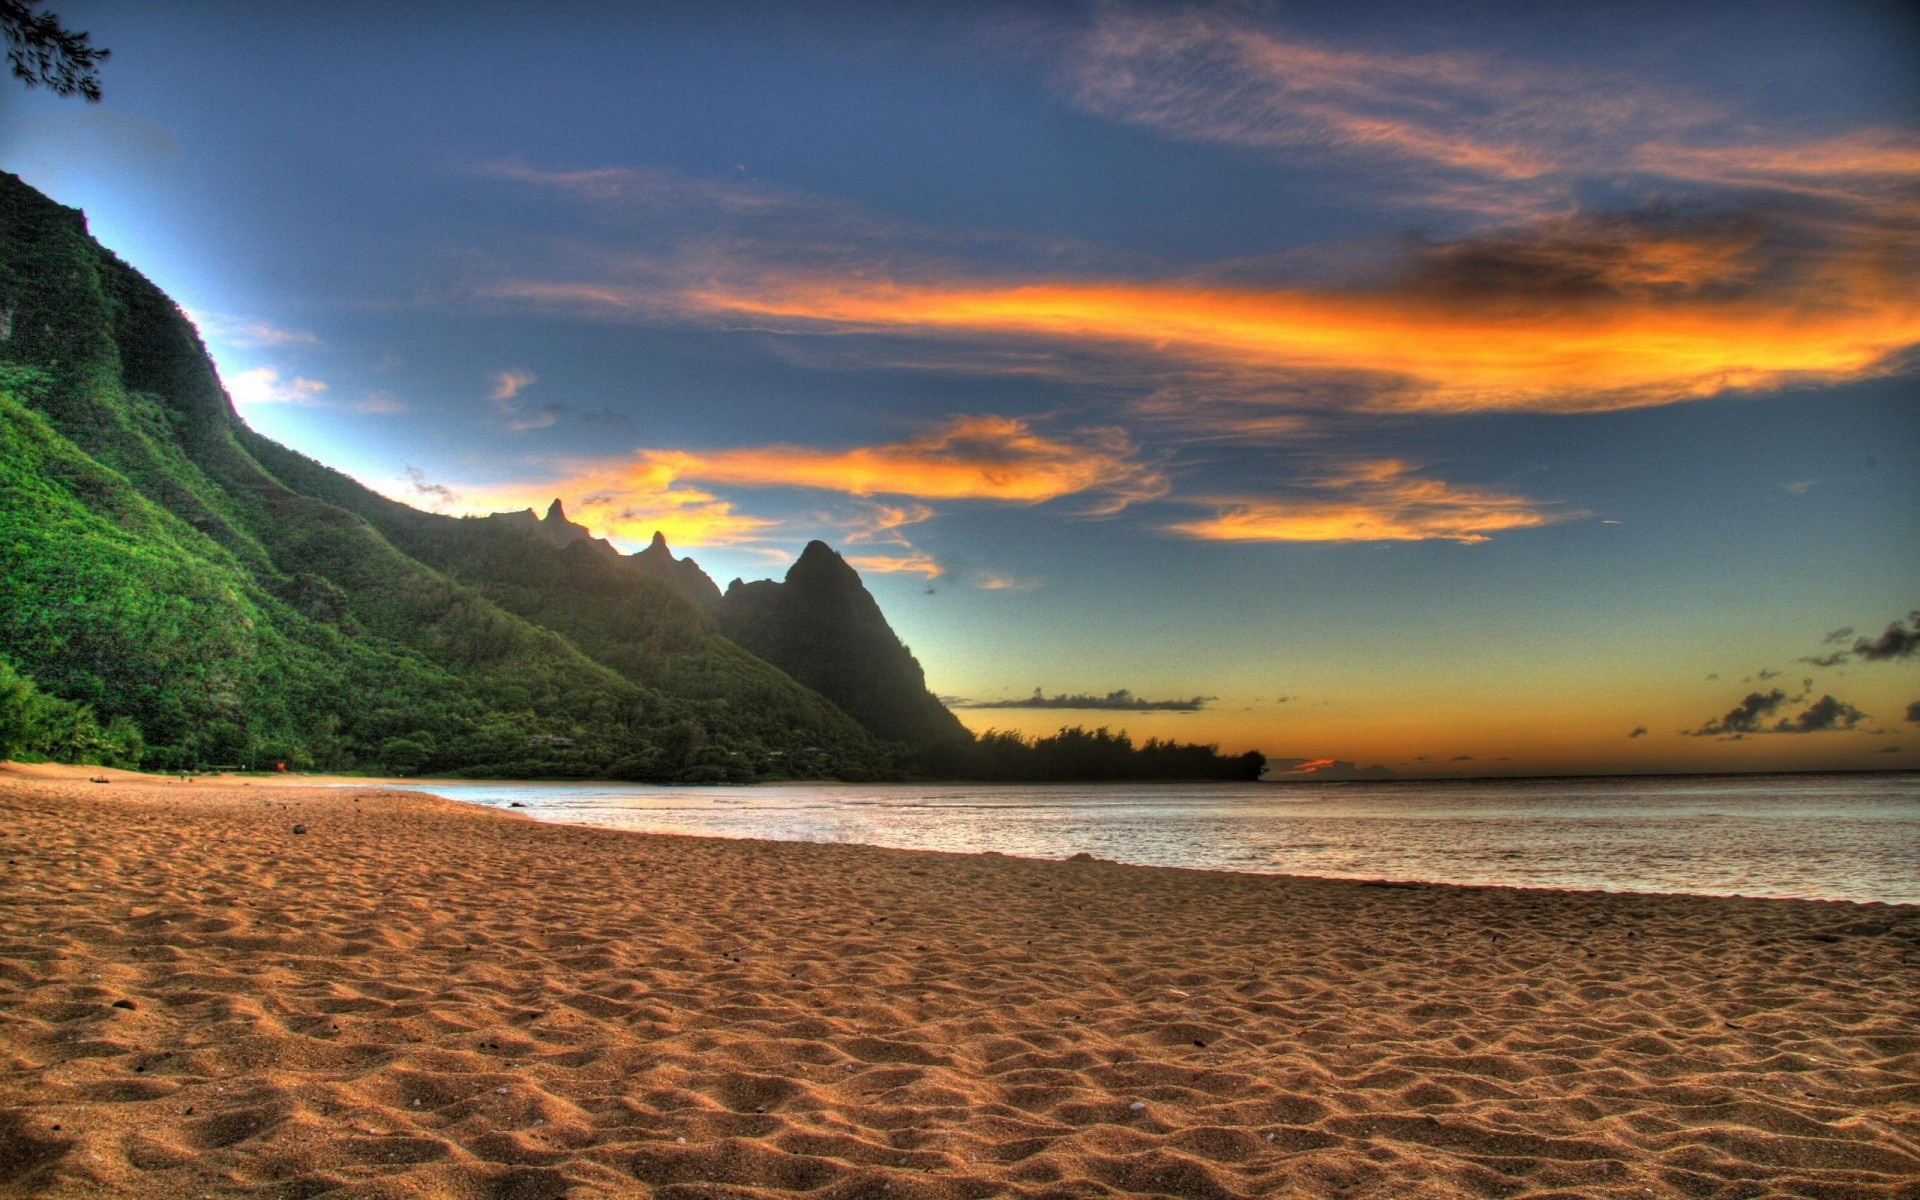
(164, 566)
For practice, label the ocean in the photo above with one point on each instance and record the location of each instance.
(1831, 837)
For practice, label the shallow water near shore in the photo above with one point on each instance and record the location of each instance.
(1834, 837)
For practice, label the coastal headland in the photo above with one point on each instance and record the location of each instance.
(222, 988)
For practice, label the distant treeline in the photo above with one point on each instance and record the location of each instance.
(1076, 754)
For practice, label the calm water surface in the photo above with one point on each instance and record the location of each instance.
(1840, 837)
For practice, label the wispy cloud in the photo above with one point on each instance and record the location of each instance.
(250, 332)
(915, 563)
(653, 187)
(436, 496)
(507, 386)
(518, 415)
(1472, 131)
(1369, 502)
(991, 581)
(381, 403)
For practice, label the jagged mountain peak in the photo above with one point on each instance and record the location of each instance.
(824, 628)
(658, 561)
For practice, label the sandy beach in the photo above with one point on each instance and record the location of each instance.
(415, 997)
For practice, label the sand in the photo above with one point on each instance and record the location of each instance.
(421, 998)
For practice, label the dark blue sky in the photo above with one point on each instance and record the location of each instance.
(1418, 386)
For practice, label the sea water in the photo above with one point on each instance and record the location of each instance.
(1835, 837)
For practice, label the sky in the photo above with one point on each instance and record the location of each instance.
(1437, 390)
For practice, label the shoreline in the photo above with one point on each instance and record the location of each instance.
(419, 996)
(53, 772)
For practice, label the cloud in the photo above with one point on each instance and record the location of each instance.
(1824, 715)
(1831, 658)
(983, 458)
(507, 386)
(1471, 131)
(1323, 769)
(1894, 642)
(248, 332)
(905, 564)
(1913, 711)
(967, 458)
(436, 496)
(1888, 750)
(989, 581)
(1744, 718)
(1639, 731)
(381, 403)
(1561, 311)
(652, 188)
(1546, 320)
(880, 523)
(1461, 758)
(1368, 502)
(264, 385)
(506, 397)
(1119, 701)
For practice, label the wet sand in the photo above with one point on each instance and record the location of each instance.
(421, 998)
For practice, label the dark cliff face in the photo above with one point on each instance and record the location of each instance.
(823, 627)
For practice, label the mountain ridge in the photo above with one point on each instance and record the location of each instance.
(163, 562)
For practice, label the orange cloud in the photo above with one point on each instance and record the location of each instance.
(1380, 501)
(970, 458)
(1567, 355)
(908, 564)
(1866, 166)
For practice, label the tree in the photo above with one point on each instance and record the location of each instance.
(42, 54)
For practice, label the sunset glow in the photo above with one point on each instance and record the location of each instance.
(1512, 389)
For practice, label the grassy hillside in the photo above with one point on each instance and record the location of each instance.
(162, 564)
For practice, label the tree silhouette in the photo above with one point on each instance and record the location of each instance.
(42, 54)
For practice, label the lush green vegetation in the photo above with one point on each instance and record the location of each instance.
(36, 726)
(154, 571)
(178, 592)
(1076, 754)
